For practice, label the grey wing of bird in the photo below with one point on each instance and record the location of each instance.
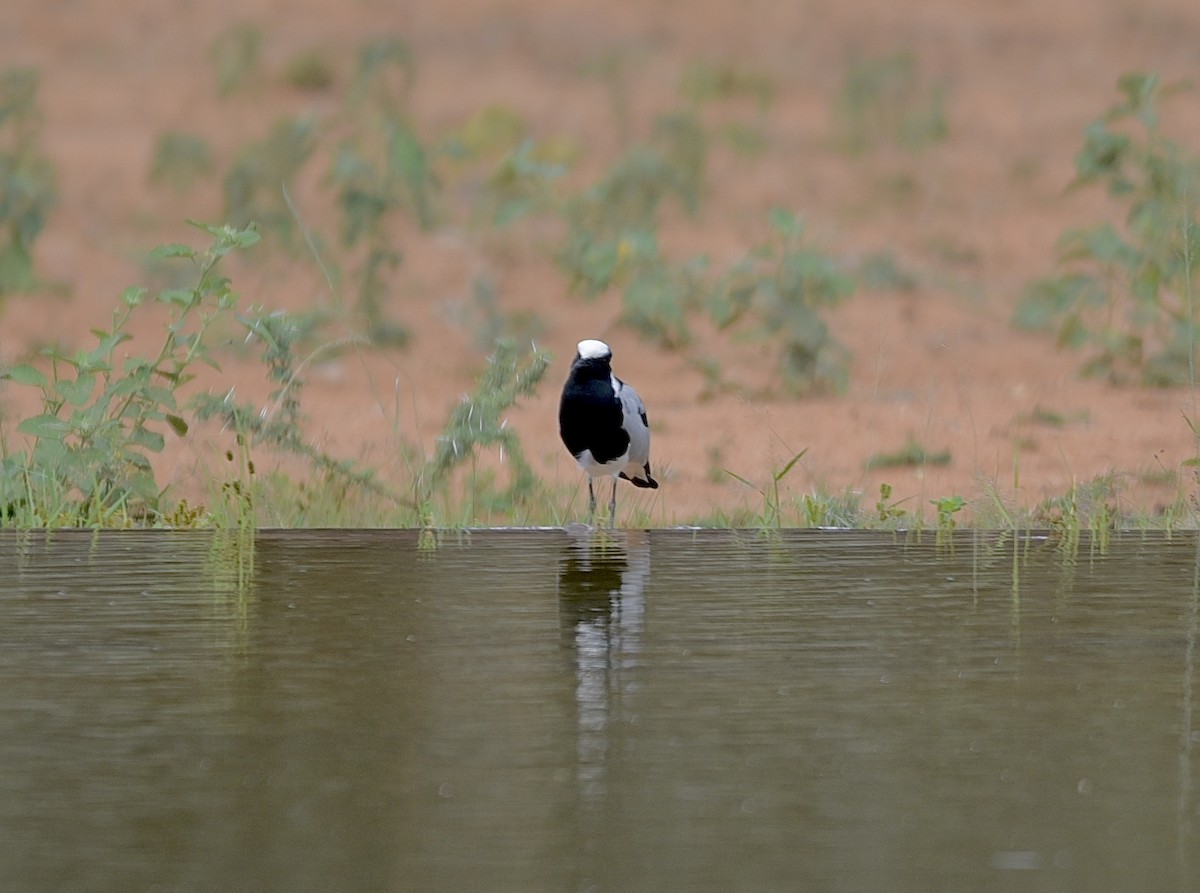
(637, 425)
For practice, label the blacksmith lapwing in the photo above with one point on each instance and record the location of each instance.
(603, 423)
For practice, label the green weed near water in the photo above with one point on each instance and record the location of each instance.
(771, 516)
(89, 450)
(1090, 506)
(476, 423)
(339, 483)
(889, 513)
(102, 417)
(947, 507)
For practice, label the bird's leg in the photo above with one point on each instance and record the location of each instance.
(612, 505)
(591, 503)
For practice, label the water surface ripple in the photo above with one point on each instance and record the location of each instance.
(538, 710)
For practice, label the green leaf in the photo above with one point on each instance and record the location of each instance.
(245, 238)
(25, 374)
(1139, 89)
(1103, 154)
(148, 439)
(178, 424)
(144, 486)
(737, 477)
(779, 475)
(48, 455)
(133, 295)
(948, 505)
(786, 223)
(183, 297)
(174, 249)
(78, 391)
(124, 386)
(45, 425)
(160, 395)
(97, 358)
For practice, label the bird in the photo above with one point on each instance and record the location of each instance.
(603, 424)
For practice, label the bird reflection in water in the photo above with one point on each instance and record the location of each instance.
(601, 597)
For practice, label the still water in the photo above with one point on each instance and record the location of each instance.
(538, 710)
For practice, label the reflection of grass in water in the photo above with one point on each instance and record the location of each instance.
(230, 569)
(1090, 506)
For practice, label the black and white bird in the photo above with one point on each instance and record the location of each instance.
(603, 423)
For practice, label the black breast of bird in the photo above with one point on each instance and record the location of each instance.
(590, 416)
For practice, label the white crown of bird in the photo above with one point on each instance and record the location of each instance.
(591, 349)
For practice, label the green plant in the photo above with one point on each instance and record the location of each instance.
(612, 69)
(102, 417)
(782, 288)
(381, 170)
(384, 73)
(823, 509)
(309, 70)
(704, 82)
(771, 516)
(235, 52)
(493, 130)
(911, 454)
(612, 235)
(180, 159)
(257, 184)
(1124, 294)
(477, 422)
(278, 425)
(483, 317)
(27, 179)
(883, 100)
(880, 270)
(1091, 506)
(1051, 418)
(726, 86)
(888, 512)
(656, 301)
(384, 137)
(524, 183)
(947, 507)
(712, 373)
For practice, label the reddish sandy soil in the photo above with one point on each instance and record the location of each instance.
(939, 363)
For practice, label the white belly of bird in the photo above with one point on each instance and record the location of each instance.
(595, 469)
